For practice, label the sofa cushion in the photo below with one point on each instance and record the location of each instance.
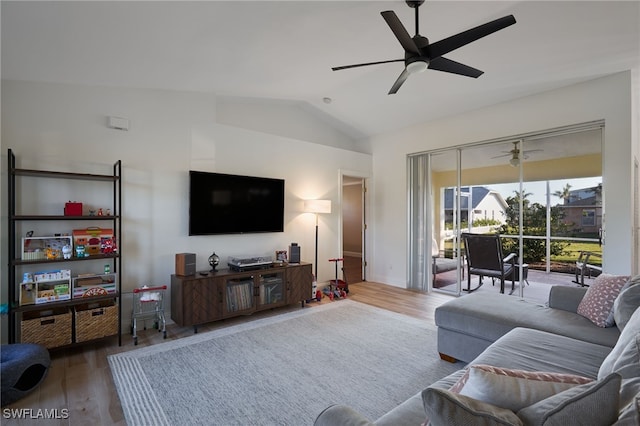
(446, 408)
(626, 351)
(597, 303)
(566, 298)
(527, 349)
(515, 389)
(594, 403)
(627, 302)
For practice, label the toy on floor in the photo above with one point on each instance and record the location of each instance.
(316, 295)
(339, 284)
(148, 303)
(334, 293)
(337, 288)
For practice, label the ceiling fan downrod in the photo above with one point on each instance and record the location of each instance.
(415, 4)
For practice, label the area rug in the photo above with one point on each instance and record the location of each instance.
(281, 370)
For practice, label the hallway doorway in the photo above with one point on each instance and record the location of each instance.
(353, 228)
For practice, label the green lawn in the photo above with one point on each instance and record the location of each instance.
(570, 255)
(572, 251)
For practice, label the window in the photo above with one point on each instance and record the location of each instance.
(588, 217)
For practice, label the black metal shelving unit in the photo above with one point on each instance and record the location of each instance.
(15, 310)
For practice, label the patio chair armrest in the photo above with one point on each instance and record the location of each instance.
(566, 298)
(510, 259)
(583, 259)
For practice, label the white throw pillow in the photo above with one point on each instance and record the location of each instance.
(515, 389)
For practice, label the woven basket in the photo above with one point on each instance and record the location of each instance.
(51, 330)
(94, 321)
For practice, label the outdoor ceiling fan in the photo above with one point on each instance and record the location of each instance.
(515, 154)
(419, 55)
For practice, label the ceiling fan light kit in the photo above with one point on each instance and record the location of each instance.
(420, 55)
(416, 67)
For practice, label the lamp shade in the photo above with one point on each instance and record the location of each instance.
(317, 206)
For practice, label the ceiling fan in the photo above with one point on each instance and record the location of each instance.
(420, 55)
(515, 154)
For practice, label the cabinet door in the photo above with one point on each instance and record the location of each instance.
(200, 301)
(299, 281)
(272, 290)
(238, 295)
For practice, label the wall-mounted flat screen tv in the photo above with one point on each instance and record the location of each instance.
(231, 204)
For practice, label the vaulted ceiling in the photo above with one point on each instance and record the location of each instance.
(284, 50)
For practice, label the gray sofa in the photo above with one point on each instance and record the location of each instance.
(468, 325)
(502, 331)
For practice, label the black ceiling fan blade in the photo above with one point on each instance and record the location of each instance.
(400, 31)
(344, 67)
(403, 76)
(448, 44)
(447, 65)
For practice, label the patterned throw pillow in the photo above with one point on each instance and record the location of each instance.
(597, 303)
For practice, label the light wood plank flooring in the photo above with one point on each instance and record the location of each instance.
(80, 381)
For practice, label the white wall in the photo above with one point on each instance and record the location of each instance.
(63, 127)
(608, 98)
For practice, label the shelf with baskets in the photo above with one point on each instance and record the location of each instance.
(65, 279)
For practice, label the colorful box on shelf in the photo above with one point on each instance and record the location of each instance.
(73, 208)
(48, 286)
(94, 285)
(93, 239)
(47, 248)
(53, 291)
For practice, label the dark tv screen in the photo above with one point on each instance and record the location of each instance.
(231, 204)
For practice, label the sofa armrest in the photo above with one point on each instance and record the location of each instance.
(566, 298)
(341, 415)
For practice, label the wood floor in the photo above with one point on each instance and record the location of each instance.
(79, 380)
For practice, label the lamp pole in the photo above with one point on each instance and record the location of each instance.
(316, 259)
(316, 207)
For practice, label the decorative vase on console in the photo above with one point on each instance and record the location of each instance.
(214, 261)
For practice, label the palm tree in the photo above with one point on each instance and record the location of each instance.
(565, 194)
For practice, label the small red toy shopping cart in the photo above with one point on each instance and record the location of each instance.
(148, 303)
(340, 285)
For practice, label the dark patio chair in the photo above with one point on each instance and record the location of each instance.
(485, 259)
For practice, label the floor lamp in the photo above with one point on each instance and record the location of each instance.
(317, 207)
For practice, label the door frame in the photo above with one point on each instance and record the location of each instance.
(364, 177)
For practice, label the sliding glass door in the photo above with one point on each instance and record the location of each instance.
(541, 192)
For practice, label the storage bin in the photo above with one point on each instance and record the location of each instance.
(96, 320)
(50, 328)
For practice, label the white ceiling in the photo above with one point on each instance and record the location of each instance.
(284, 50)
